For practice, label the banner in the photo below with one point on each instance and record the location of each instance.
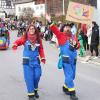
(79, 13)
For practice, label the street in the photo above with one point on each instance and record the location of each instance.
(12, 85)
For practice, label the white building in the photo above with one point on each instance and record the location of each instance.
(7, 8)
(38, 9)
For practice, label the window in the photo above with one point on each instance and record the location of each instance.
(37, 7)
(41, 7)
(19, 9)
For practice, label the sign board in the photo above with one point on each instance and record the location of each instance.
(79, 13)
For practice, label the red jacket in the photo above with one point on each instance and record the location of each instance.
(21, 41)
(62, 37)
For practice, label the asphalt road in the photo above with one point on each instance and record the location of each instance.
(12, 85)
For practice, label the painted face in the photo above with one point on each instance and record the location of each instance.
(31, 30)
(67, 29)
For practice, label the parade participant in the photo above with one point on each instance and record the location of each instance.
(68, 45)
(84, 30)
(95, 39)
(32, 22)
(22, 28)
(81, 40)
(33, 48)
(89, 34)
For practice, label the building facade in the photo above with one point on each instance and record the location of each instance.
(38, 10)
(96, 16)
(6, 4)
(7, 7)
(59, 7)
(54, 7)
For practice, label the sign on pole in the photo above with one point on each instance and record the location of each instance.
(79, 13)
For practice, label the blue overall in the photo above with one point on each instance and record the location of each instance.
(31, 66)
(69, 64)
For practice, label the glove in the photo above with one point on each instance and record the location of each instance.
(43, 61)
(14, 47)
(74, 42)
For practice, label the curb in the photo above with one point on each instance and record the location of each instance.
(89, 61)
(93, 62)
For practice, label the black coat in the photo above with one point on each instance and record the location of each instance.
(95, 35)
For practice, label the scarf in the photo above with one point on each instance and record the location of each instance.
(32, 38)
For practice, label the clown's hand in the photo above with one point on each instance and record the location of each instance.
(74, 42)
(43, 62)
(14, 47)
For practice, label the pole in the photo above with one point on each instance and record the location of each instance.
(63, 7)
(45, 9)
(45, 6)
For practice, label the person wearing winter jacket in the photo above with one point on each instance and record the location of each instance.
(95, 39)
(33, 54)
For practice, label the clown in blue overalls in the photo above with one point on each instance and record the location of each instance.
(68, 54)
(33, 51)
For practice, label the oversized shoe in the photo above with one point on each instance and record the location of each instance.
(65, 90)
(73, 96)
(36, 94)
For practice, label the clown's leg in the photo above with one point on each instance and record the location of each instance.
(69, 74)
(37, 75)
(29, 79)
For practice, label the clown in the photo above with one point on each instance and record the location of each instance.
(33, 48)
(68, 44)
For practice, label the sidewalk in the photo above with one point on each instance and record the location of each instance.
(86, 59)
(89, 59)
